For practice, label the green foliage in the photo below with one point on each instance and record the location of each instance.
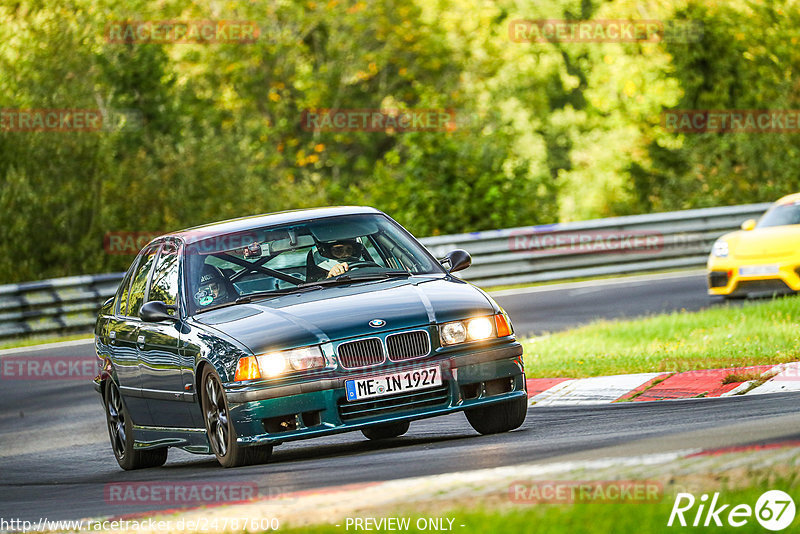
(546, 132)
(749, 60)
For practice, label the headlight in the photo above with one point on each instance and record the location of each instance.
(305, 358)
(452, 333)
(271, 364)
(274, 364)
(480, 328)
(720, 249)
(476, 329)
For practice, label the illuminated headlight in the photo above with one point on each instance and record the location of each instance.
(274, 364)
(271, 364)
(469, 330)
(480, 328)
(720, 249)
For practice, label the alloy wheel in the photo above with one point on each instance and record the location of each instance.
(216, 415)
(116, 421)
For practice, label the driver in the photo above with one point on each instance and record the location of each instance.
(344, 251)
(213, 288)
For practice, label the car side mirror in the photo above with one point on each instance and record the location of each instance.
(156, 311)
(458, 259)
(748, 225)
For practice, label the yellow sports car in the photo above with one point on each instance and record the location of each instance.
(763, 256)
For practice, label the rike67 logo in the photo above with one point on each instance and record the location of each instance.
(774, 510)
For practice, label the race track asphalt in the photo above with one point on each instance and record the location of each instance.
(56, 461)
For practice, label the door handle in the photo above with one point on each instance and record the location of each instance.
(112, 337)
(140, 341)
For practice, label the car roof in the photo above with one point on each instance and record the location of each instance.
(789, 199)
(198, 233)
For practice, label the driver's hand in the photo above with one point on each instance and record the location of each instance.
(336, 270)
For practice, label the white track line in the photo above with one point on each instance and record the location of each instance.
(45, 346)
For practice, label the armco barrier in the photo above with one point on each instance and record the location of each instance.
(58, 305)
(618, 245)
(683, 239)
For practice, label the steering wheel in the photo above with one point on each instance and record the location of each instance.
(362, 263)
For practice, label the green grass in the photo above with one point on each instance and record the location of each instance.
(765, 332)
(595, 517)
(40, 340)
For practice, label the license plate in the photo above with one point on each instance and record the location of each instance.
(758, 270)
(379, 386)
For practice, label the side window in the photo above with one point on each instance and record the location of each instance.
(139, 284)
(165, 276)
(122, 293)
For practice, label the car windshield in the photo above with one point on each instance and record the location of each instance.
(278, 259)
(781, 215)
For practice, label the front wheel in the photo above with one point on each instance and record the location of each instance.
(120, 430)
(500, 417)
(219, 427)
(386, 431)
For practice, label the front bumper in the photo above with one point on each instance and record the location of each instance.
(725, 278)
(300, 411)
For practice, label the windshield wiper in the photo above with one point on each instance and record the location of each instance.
(218, 306)
(350, 279)
(244, 299)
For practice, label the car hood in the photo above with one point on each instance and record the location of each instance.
(336, 313)
(765, 243)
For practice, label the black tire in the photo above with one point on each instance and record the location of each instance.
(219, 428)
(500, 417)
(120, 432)
(386, 431)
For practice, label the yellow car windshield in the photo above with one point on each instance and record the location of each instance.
(781, 215)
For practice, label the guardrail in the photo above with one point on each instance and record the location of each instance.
(57, 305)
(619, 245)
(598, 247)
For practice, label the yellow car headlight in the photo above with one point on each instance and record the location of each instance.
(720, 249)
